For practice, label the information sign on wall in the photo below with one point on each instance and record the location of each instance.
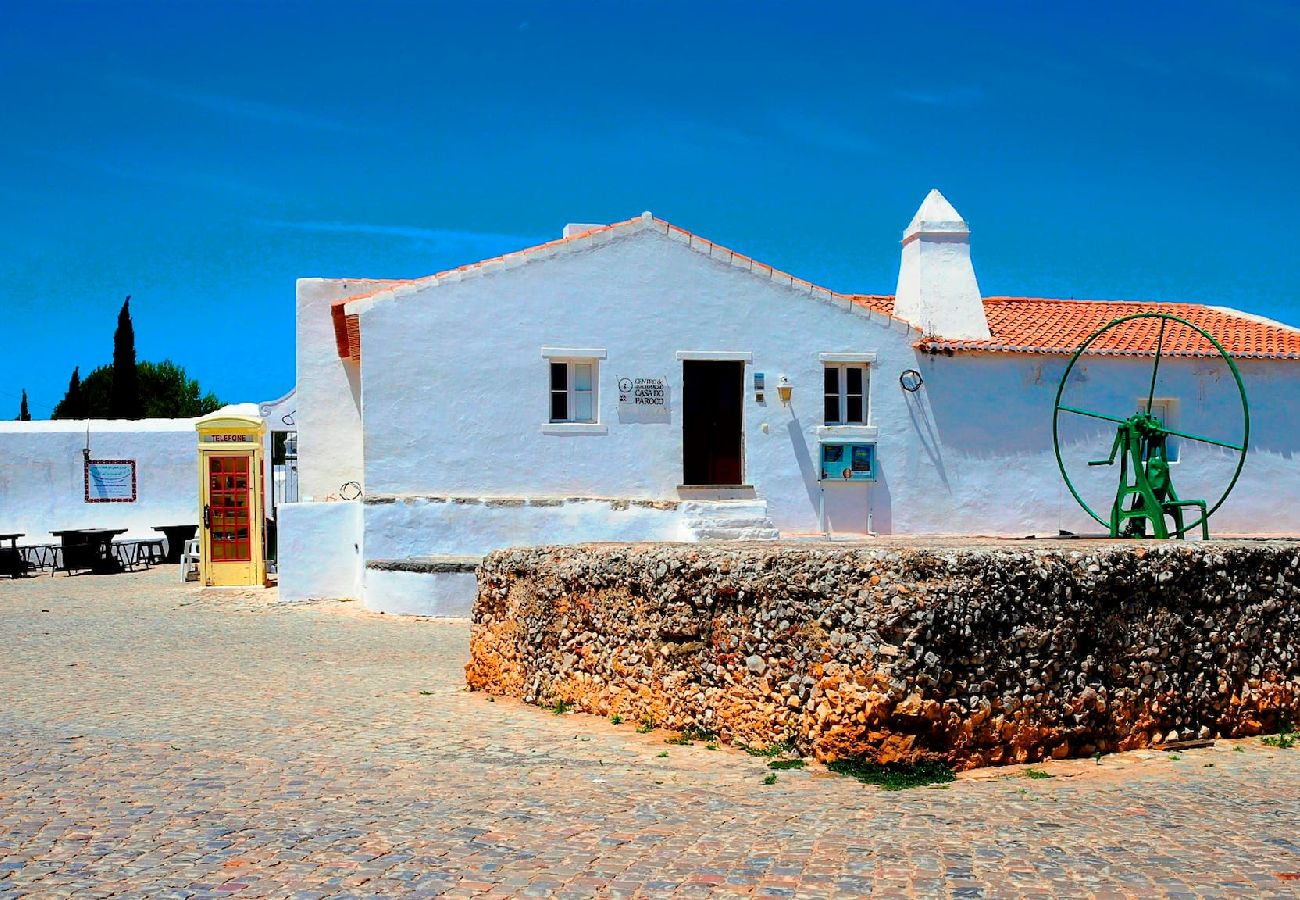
(643, 400)
(110, 481)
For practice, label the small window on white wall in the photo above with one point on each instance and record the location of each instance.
(1165, 411)
(573, 390)
(846, 394)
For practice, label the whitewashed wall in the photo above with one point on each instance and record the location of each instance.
(320, 550)
(328, 392)
(421, 526)
(991, 450)
(42, 480)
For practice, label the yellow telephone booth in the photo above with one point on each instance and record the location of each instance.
(231, 497)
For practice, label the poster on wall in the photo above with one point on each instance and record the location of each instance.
(643, 400)
(110, 481)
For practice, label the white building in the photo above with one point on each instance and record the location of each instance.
(627, 382)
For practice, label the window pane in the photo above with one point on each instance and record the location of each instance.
(854, 376)
(559, 406)
(832, 409)
(582, 406)
(559, 376)
(853, 411)
(582, 376)
(832, 380)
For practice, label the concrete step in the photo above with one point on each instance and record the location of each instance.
(727, 520)
(736, 534)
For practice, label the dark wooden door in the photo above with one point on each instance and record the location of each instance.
(712, 395)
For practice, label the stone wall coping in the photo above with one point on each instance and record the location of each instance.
(517, 501)
(946, 544)
(427, 565)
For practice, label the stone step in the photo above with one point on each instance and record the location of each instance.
(737, 534)
(727, 520)
(719, 522)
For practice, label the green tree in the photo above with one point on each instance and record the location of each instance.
(168, 393)
(97, 393)
(24, 414)
(124, 399)
(165, 392)
(73, 404)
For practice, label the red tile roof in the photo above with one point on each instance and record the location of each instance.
(1018, 324)
(1037, 325)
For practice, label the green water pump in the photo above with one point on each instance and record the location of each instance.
(1146, 503)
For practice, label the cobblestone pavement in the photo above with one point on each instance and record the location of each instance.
(161, 740)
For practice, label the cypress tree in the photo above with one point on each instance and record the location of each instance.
(73, 404)
(124, 402)
(24, 414)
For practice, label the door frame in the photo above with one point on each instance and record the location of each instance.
(219, 573)
(745, 359)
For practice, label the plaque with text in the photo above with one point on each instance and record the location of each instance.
(643, 400)
(110, 481)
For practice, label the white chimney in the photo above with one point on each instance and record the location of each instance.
(937, 290)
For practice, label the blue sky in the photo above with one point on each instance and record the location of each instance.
(201, 156)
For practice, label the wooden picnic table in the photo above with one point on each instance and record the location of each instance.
(12, 562)
(89, 548)
(176, 536)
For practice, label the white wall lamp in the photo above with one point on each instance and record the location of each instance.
(784, 389)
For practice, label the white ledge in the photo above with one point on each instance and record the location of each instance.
(574, 428)
(573, 353)
(847, 357)
(719, 355)
(848, 432)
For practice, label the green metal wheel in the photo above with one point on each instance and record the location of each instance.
(1141, 434)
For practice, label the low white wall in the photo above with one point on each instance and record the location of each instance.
(320, 550)
(447, 594)
(42, 476)
(423, 526)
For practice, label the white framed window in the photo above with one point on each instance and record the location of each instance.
(573, 390)
(1165, 411)
(846, 393)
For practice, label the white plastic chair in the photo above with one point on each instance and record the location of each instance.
(190, 559)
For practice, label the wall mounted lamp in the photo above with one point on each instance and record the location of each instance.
(783, 390)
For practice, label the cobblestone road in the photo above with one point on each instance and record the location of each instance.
(159, 740)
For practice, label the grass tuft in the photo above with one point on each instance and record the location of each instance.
(1037, 773)
(687, 736)
(785, 764)
(770, 779)
(894, 776)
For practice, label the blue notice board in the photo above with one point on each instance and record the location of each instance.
(848, 462)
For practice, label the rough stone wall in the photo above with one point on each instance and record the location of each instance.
(974, 653)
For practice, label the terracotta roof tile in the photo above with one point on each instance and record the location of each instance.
(1039, 325)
